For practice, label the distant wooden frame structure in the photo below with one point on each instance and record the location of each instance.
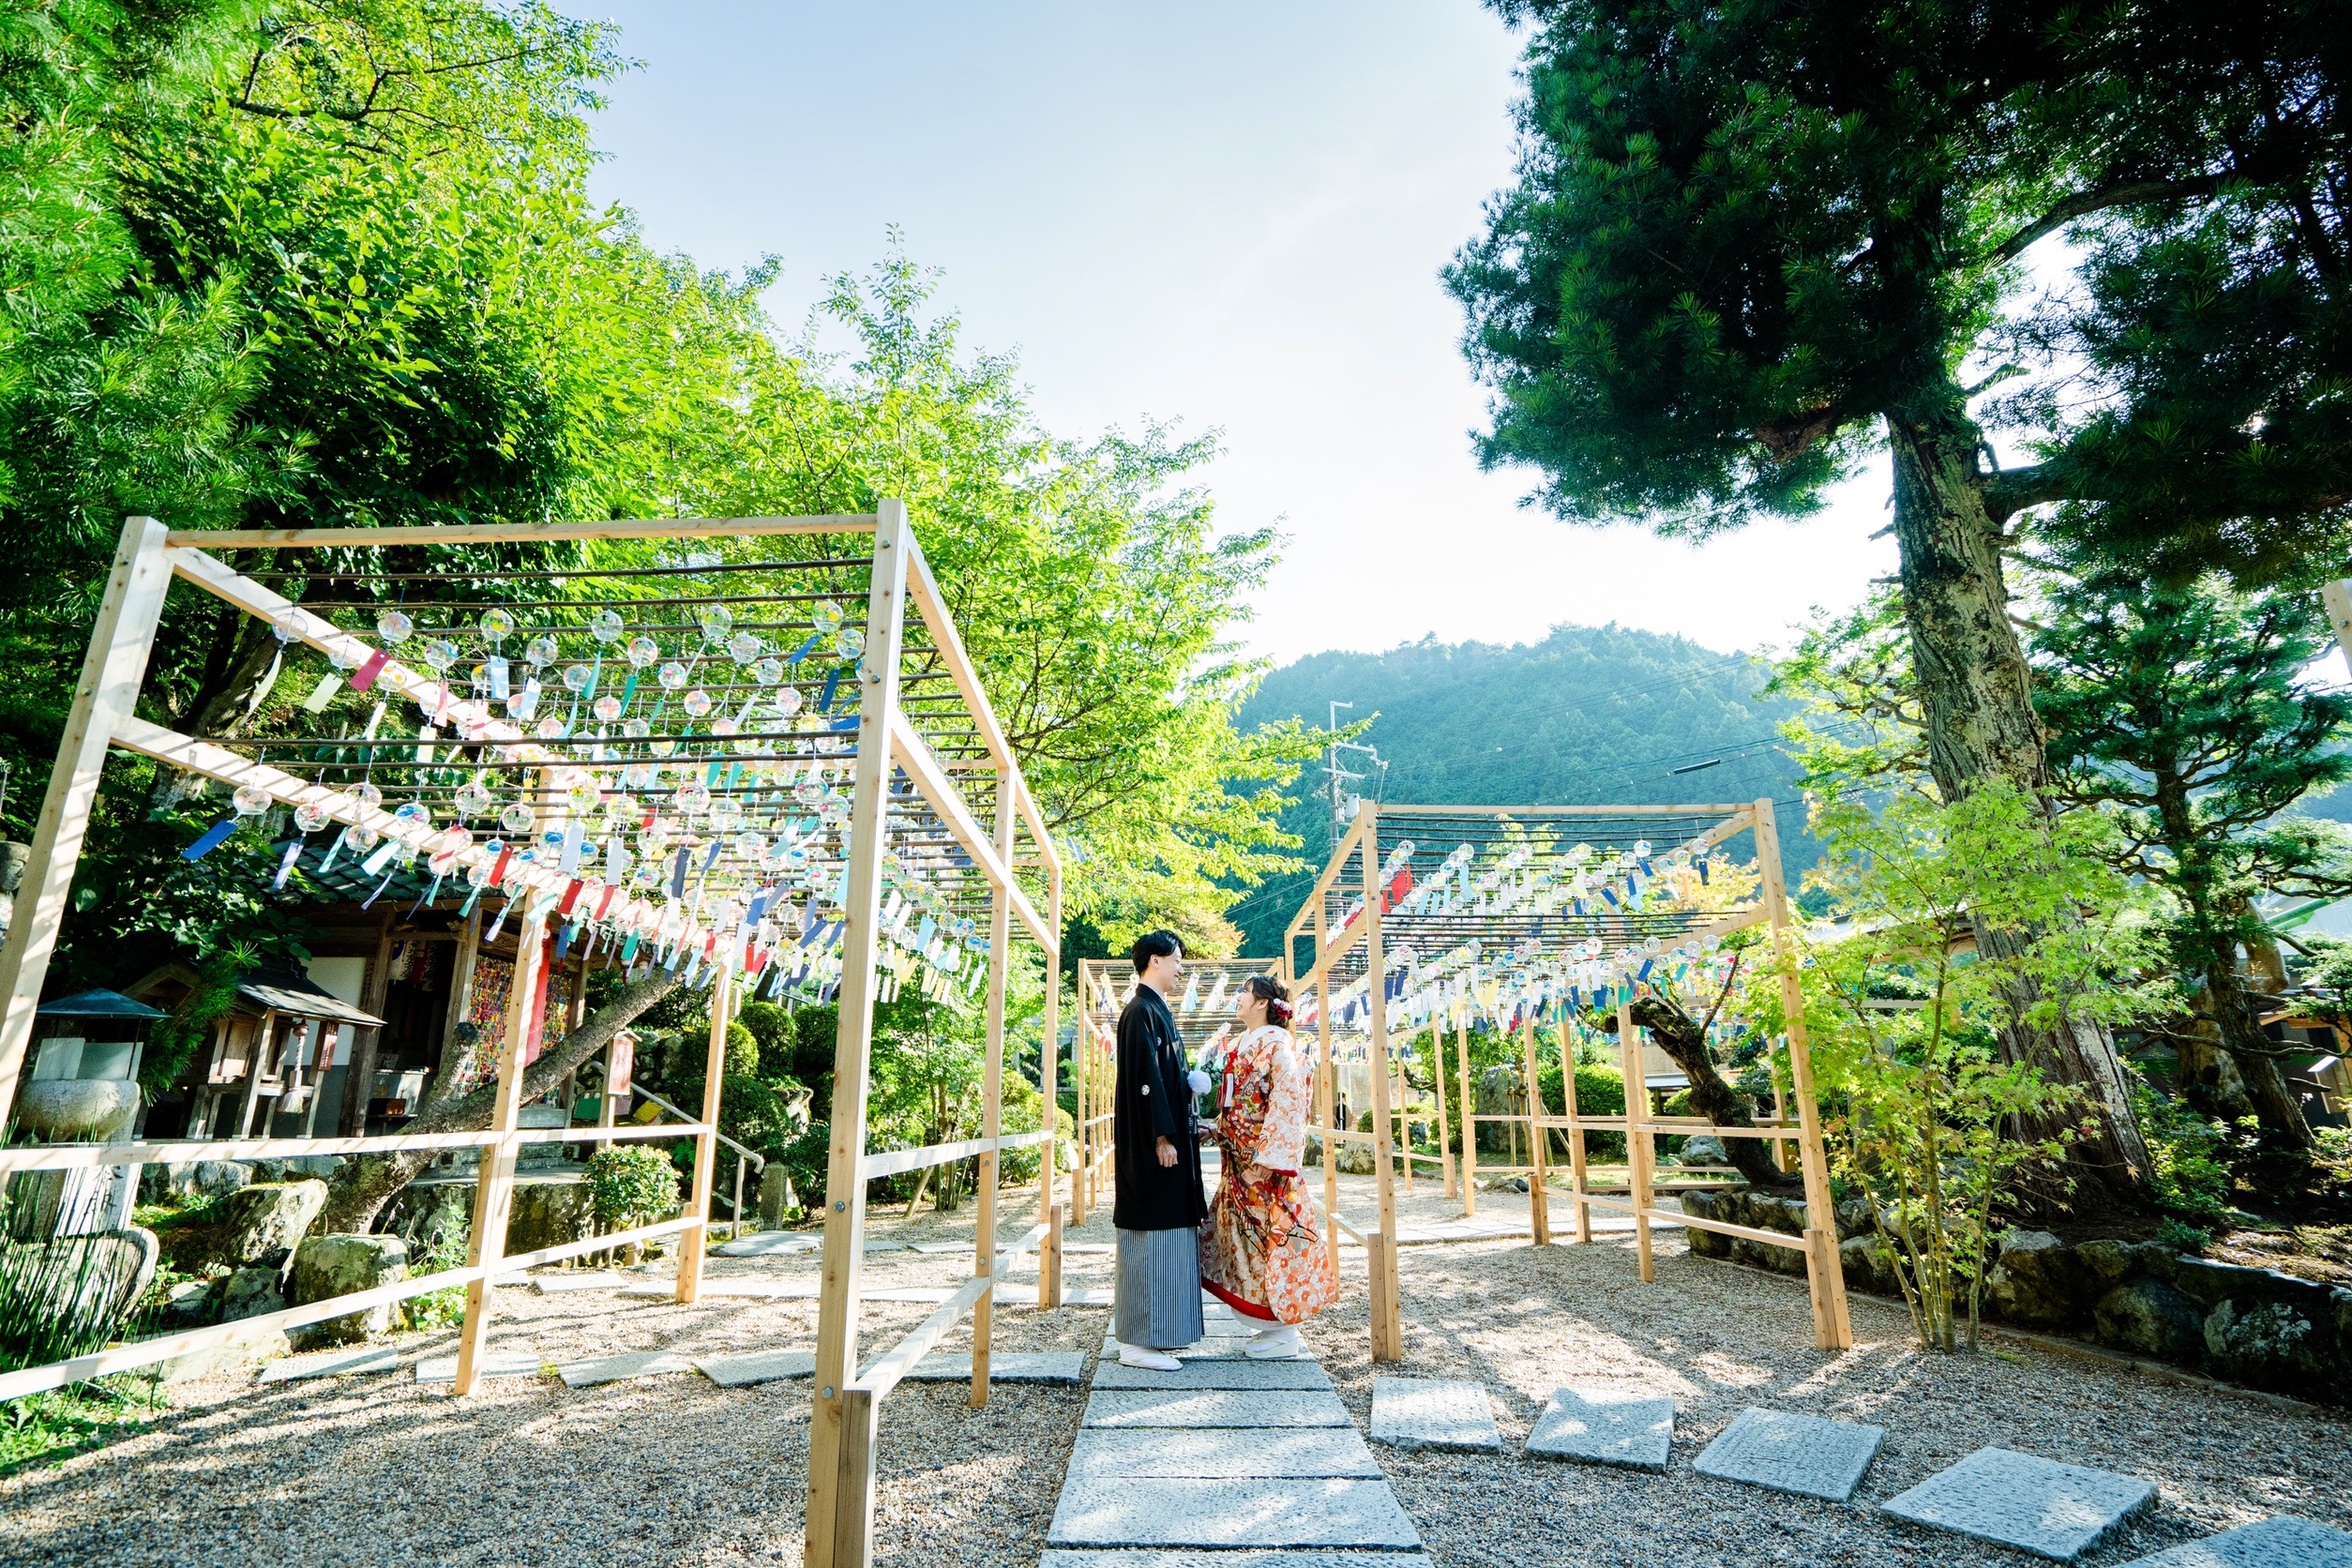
(1104, 987)
(900, 777)
(1357, 911)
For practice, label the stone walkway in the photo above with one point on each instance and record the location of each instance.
(1227, 1461)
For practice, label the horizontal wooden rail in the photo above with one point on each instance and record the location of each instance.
(909, 751)
(83, 1156)
(895, 1162)
(146, 1352)
(1722, 1227)
(1704, 810)
(1345, 1228)
(884, 1372)
(494, 533)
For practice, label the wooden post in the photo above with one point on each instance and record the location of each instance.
(1048, 1071)
(1388, 1337)
(992, 1087)
(494, 1179)
(840, 1455)
(1049, 1260)
(1831, 1328)
(1403, 1097)
(359, 1078)
(112, 673)
(854, 1540)
(1469, 1112)
(1576, 1132)
(1327, 1091)
(1080, 1045)
(1638, 1133)
(693, 1244)
(1436, 1078)
(1539, 1199)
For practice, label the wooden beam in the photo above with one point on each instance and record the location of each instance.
(992, 1082)
(908, 749)
(493, 1186)
(832, 1528)
(691, 1250)
(111, 671)
(1707, 810)
(516, 532)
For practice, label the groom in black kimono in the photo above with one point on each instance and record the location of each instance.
(1159, 1205)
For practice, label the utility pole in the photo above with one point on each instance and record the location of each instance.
(1344, 801)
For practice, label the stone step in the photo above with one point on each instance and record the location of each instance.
(1310, 1558)
(1219, 1512)
(1212, 1408)
(2037, 1506)
(1212, 1372)
(1218, 1451)
(1605, 1428)
(286, 1369)
(1785, 1451)
(498, 1363)
(1066, 1368)
(2285, 1541)
(613, 1369)
(753, 1367)
(1432, 1412)
(1210, 1348)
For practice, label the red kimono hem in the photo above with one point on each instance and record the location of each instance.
(1245, 1308)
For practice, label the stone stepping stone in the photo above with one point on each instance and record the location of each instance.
(498, 1363)
(770, 1244)
(1606, 1429)
(872, 1247)
(1784, 1451)
(756, 1367)
(1216, 1372)
(933, 1249)
(1087, 1249)
(613, 1369)
(1313, 1451)
(555, 1284)
(1432, 1412)
(1212, 1348)
(2285, 1541)
(1091, 1296)
(1309, 1559)
(1120, 1406)
(288, 1369)
(933, 1294)
(1215, 1513)
(2024, 1501)
(1066, 1367)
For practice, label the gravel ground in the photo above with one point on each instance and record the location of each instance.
(673, 1470)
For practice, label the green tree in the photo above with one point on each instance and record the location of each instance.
(2181, 708)
(1749, 242)
(1923, 1115)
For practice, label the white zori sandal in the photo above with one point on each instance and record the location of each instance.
(1136, 1356)
(1274, 1344)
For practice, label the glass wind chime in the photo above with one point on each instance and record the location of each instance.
(651, 789)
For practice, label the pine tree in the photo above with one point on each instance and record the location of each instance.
(1751, 239)
(2181, 708)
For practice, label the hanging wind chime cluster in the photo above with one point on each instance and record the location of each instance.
(673, 795)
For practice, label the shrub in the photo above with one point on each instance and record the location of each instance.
(2188, 1155)
(804, 1159)
(743, 1051)
(629, 1184)
(779, 1037)
(446, 1248)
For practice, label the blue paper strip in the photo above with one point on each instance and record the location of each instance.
(211, 838)
(832, 683)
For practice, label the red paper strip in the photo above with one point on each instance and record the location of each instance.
(499, 870)
(605, 902)
(571, 896)
(364, 676)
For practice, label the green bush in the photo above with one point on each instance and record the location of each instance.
(743, 1051)
(748, 1112)
(803, 1159)
(1600, 1092)
(778, 1038)
(813, 1031)
(630, 1184)
(2189, 1156)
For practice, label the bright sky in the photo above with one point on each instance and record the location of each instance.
(1227, 215)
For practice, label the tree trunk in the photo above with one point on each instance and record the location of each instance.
(1976, 690)
(360, 1190)
(1681, 1037)
(2275, 1107)
(2207, 1076)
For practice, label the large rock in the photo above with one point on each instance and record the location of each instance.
(2039, 1282)
(549, 1213)
(775, 1196)
(270, 1216)
(94, 1279)
(216, 1178)
(426, 1210)
(2150, 1317)
(329, 1266)
(2279, 1344)
(75, 1110)
(1494, 1098)
(1703, 1149)
(252, 1292)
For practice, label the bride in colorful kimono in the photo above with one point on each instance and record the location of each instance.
(1260, 1252)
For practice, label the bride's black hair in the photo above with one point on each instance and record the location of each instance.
(1275, 995)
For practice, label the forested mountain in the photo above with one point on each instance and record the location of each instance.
(1590, 714)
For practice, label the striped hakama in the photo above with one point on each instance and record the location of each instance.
(1159, 1295)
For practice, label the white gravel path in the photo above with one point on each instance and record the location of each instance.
(672, 1469)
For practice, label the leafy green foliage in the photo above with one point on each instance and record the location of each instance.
(2192, 1154)
(1925, 1120)
(775, 1037)
(172, 1043)
(629, 1184)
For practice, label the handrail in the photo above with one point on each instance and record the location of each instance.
(79, 1156)
(735, 1207)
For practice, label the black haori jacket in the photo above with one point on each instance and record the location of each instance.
(1153, 1102)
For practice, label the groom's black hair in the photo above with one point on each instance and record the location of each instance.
(1154, 945)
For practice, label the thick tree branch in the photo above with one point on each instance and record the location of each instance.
(2123, 193)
